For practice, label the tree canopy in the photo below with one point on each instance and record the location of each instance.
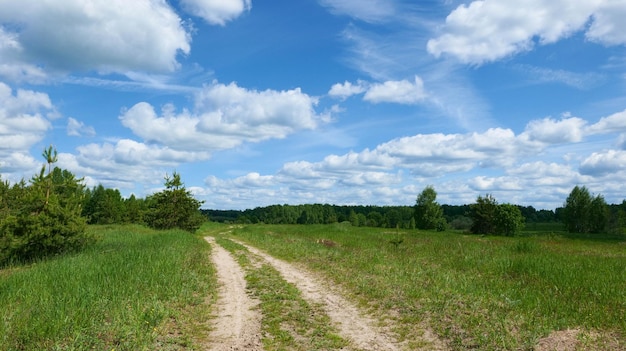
(584, 213)
(428, 213)
(174, 207)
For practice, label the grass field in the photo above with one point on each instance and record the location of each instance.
(487, 293)
(136, 289)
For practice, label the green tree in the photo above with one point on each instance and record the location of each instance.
(483, 214)
(104, 206)
(44, 216)
(583, 213)
(428, 213)
(509, 220)
(133, 210)
(599, 215)
(174, 207)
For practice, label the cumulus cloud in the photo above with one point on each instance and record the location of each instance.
(24, 118)
(461, 165)
(608, 25)
(126, 162)
(489, 30)
(605, 162)
(78, 128)
(101, 35)
(225, 116)
(391, 91)
(401, 92)
(216, 11)
(610, 124)
(17, 162)
(548, 130)
(346, 89)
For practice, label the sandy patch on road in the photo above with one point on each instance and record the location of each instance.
(237, 325)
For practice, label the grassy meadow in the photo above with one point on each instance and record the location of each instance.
(136, 289)
(140, 289)
(476, 292)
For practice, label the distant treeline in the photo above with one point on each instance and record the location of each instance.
(457, 216)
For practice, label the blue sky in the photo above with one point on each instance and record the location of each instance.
(320, 101)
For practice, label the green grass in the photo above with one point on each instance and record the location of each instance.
(135, 289)
(487, 293)
(288, 321)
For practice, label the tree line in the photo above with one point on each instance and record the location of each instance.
(581, 213)
(49, 213)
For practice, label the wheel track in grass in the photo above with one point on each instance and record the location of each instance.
(362, 331)
(237, 325)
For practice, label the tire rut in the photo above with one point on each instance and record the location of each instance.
(237, 325)
(360, 330)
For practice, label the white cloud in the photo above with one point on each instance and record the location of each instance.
(24, 118)
(391, 91)
(226, 116)
(482, 183)
(102, 35)
(608, 26)
(402, 92)
(347, 89)
(78, 128)
(126, 162)
(372, 11)
(18, 163)
(529, 168)
(216, 11)
(489, 30)
(547, 130)
(603, 163)
(615, 123)
(494, 147)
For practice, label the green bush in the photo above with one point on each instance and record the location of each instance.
(42, 218)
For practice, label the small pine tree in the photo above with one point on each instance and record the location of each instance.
(45, 216)
(174, 207)
(483, 214)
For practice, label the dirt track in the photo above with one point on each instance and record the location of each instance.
(237, 325)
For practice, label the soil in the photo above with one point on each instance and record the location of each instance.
(237, 325)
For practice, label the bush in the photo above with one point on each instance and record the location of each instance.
(488, 217)
(461, 223)
(43, 218)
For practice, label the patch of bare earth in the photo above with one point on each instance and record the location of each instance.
(363, 332)
(237, 325)
(576, 340)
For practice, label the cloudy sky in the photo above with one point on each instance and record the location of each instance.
(320, 101)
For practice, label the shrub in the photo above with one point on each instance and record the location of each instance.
(43, 218)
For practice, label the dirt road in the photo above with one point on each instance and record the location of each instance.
(237, 325)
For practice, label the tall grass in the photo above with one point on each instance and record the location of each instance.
(487, 293)
(136, 289)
